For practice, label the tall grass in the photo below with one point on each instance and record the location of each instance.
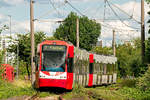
(18, 88)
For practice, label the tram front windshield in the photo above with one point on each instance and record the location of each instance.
(53, 58)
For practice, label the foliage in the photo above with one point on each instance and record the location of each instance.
(148, 1)
(128, 83)
(144, 81)
(24, 45)
(17, 88)
(129, 59)
(134, 94)
(51, 38)
(2, 52)
(81, 93)
(22, 67)
(89, 31)
(103, 50)
(147, 51)
(5, 27)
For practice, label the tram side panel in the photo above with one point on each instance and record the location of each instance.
(70, 66)
(84, 71)
(104, 74)
(91, 61)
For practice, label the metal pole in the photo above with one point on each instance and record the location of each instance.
(17, 60)
(32, 42)
(10, 24)
(77, 33)
(114, 48)
(142, 31)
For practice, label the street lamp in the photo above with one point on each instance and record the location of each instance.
(10, 24)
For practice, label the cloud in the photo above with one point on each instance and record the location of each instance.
(11, 2)
(122, 32)
(134, 8)
(49, 27)
(23, 27)
(3, 17)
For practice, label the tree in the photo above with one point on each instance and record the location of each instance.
(89, 31)
(24, 44)
(129, 59)
(147, 51)
(103, 50)
(2, 52)
(148, 1)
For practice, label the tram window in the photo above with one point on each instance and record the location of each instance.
(109, 68)
(53, 61)
(114, 67)
(91, 68)
(98, 68)
(95, 68)
(76, 66)
(86, 67)
(104, 68)
(70, 65)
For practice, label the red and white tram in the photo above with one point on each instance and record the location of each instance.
(60, 64)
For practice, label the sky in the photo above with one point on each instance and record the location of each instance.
(48, 11)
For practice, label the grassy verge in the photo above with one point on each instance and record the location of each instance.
(17, 88)
(124, 90)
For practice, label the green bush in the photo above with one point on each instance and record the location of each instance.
(144, 81)
(135, 94)
(128, 83)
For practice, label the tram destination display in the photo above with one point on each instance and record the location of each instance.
(53, 48)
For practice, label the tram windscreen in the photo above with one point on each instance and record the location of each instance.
(53, 58)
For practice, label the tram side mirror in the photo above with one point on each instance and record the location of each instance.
(71, 52)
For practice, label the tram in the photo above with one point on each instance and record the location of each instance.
(60, 64)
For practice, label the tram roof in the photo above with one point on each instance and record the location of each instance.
(84, 55)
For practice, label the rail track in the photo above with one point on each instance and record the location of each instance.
(37, 97)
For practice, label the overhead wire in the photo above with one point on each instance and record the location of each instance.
(131, 17)
(118, 16)
(43, 15)
(107, 25)
(54, 7)
(133, 8)
(118, 29)
(67, 1)
(84, 15)
(104, 9)
(97, 9)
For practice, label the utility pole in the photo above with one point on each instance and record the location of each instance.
(113, 44)
(142, 31)
(101, 43)
(17, 60)
(10, 24)
(77, 33)
(4, 48)
(32, 42)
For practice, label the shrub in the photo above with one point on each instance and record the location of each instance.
(128, 83)
(144, 81)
